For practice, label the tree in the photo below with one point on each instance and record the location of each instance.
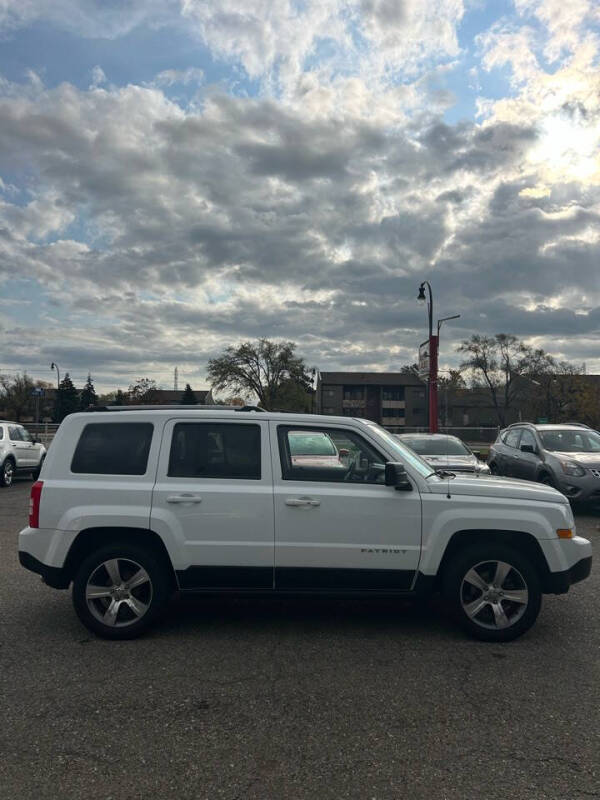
(67, 399)
(497, 362)
(264, 368)
(143, 392)
(88, 396)
(188, 398)
(16, 395)
(120, 398)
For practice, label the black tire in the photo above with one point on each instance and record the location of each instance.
(35, 474)
(7, 472)
(522, 580)
(154, 597)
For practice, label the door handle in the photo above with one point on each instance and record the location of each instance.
(299, 502)
(184, 498)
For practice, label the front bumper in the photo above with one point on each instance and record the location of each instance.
(560, 582)
(53, 576)
(580, 490)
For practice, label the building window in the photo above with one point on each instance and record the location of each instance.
(417, 410)
(354, 393)
(392, 412)
(388, 393)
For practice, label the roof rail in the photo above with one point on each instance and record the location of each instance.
(516, 424)
(177, 406)
(576, 424)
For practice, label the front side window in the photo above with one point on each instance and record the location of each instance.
(215, 450)
(329, 455)
(527, 437)
(113, 448)
(25, 435)
(512, 438)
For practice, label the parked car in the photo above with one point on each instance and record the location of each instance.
(133, 505)
(20, 453)
(315, 449)
(564, 456)
(444, 452)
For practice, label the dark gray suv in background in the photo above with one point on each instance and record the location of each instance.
(564, 456)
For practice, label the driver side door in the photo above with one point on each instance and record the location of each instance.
(341, 529)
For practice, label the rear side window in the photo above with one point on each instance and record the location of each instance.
(215, 450)
(113, 448)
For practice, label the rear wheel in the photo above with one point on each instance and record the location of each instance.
(7, 472)
(494, 591)
(120, 590)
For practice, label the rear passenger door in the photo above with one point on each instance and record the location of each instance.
(213, 501)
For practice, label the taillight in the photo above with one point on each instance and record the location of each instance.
(34, 504)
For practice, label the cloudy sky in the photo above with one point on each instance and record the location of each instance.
(178, 175)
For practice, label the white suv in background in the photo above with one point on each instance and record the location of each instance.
(19, 453)
(134, 504)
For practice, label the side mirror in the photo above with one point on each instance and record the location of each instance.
(395, 475)
(527, 448)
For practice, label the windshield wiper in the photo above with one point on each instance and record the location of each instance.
(442, 473)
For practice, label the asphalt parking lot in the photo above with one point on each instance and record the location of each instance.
(289, 698)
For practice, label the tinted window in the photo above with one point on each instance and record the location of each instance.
(113, 448)
(215, 450)
(348, 457)
(512, 438)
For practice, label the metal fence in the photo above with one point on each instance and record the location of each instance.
(44, 431)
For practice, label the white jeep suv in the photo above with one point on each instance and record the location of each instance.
(19, 453)
(134, 504)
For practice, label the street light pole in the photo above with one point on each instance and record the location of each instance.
(433, 359)
(53, 365)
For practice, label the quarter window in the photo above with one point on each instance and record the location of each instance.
(215, 450)
(328, 455)
(113, 448)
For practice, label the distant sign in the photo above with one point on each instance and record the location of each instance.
(424, 360)
(38, 392)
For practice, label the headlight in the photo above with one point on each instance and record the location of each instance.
(482, 468)
(572, 468)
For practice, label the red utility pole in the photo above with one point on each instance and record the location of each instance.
(433, 387)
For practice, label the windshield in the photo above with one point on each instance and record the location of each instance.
(403, 453)
(436, 445)
(568, 440)
(311, 444)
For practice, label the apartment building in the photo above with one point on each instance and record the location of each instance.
(392, 399)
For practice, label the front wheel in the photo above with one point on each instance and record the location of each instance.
(494, 591)
(120, 590)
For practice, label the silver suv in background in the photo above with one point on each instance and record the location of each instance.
(20, 452)
(564, 456)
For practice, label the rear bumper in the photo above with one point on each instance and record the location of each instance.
(53, 576)
(560, 582)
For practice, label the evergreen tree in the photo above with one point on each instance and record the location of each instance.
(188, 398)
(67, 399)
(88, 395)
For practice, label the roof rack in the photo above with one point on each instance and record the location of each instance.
(177, 406)
(577, 424)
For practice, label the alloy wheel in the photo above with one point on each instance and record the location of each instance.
(8, 472)
(494, 595)
(119, 592)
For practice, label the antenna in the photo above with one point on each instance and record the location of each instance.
(175, 376)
